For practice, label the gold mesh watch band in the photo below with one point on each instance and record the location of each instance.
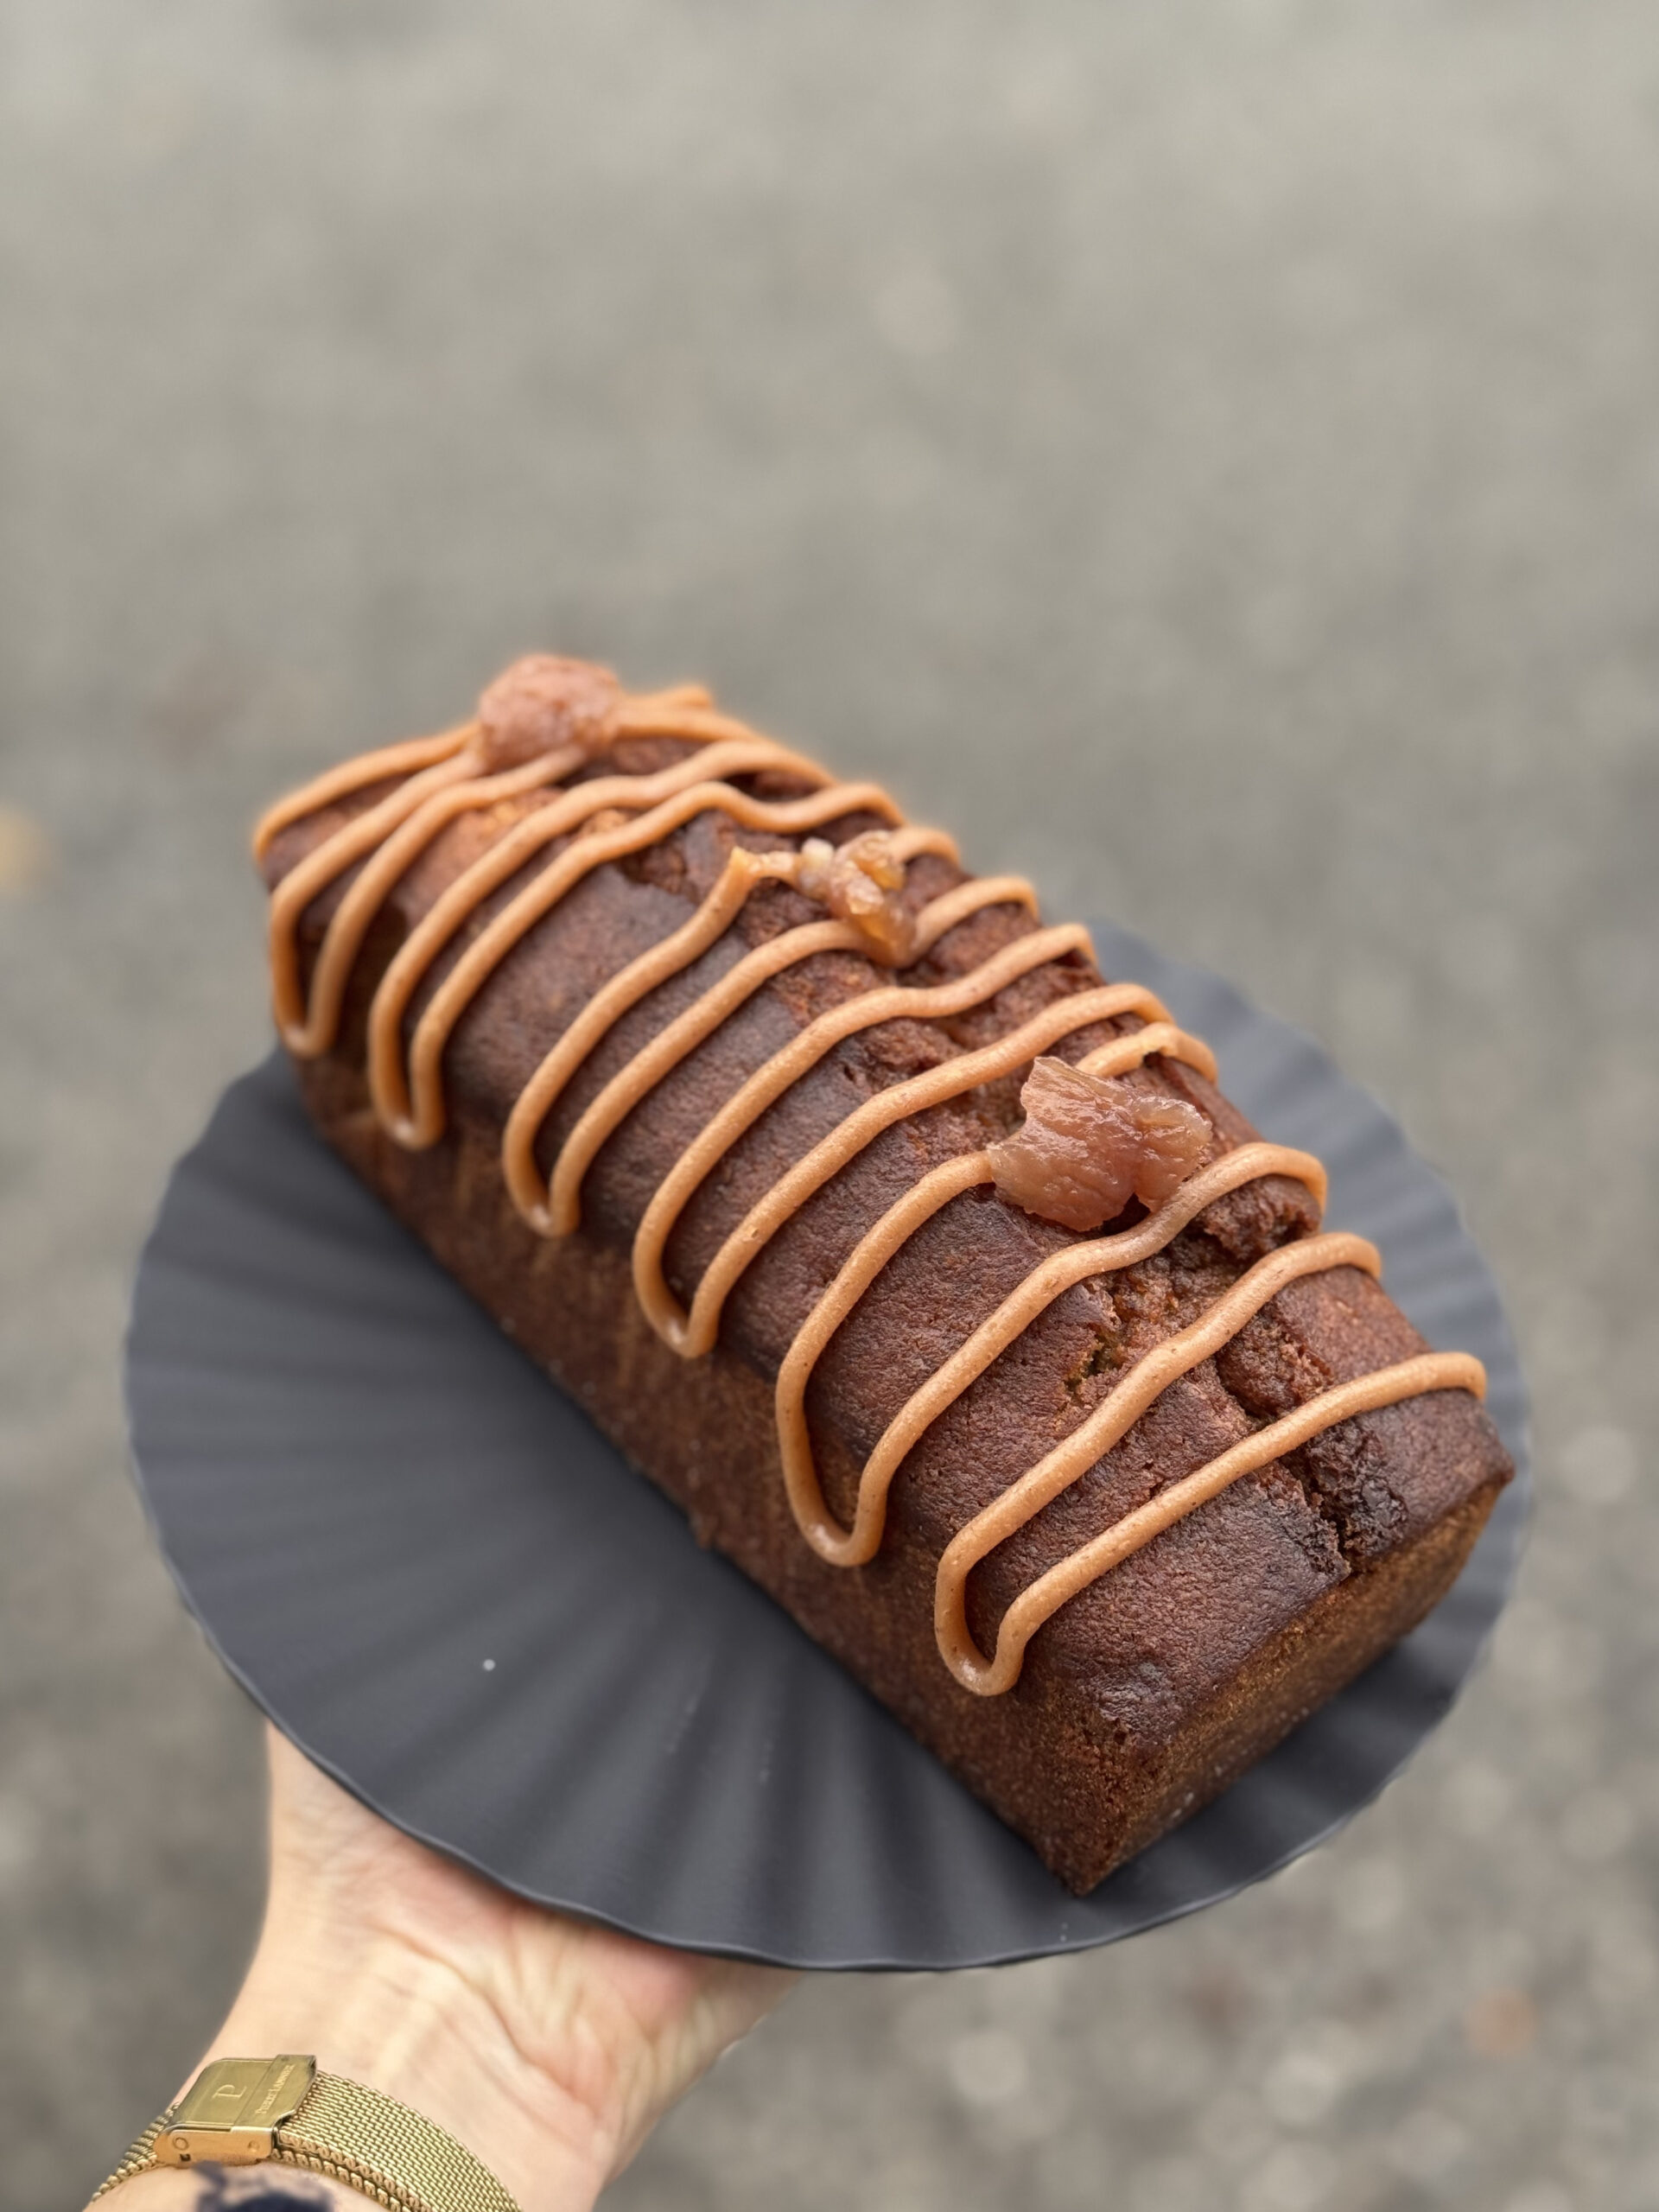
(247, 2112)
(138, 2160)
(385, 2150)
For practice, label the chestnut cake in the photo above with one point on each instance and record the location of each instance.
(930, 1274)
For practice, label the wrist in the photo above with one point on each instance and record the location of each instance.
(378, 2018)
(375, 2009)
(546, 2046)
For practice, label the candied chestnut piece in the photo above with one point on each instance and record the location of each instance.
(1090, 1142)
(860, 882)
(543, 703)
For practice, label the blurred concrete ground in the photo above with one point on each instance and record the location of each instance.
(1208, 452)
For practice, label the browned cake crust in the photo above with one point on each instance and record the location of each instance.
(1149, 1691)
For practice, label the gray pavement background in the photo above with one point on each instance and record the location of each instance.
(1208, 452)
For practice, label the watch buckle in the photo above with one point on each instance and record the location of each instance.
(229, 2114)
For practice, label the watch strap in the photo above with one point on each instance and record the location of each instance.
(348, 2134)
(385, 2150)
(140, 2157)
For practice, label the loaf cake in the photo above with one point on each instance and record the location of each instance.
(928, 1271)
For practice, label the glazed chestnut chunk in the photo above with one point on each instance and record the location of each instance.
(860, 882)
(544, 702)
(1091, 1143)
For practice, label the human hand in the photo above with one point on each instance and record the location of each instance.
(548, 2046)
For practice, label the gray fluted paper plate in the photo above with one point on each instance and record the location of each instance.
(436, 1577)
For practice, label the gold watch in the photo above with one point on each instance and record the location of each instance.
(245, 2112)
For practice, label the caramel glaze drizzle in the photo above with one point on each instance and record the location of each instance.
(439, 779)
